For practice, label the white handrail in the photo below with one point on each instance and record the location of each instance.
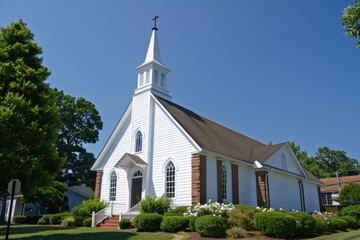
(101, 215)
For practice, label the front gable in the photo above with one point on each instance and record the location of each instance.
(284, 159)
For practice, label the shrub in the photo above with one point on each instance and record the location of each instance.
(242, 219)
(351, 221)
(69, 221)
(210, 208)
(236, 232)
(275, 224)
(87, 222)
(152, 205)
(125, 223)
(211, 226)
(243, 207)
(350, 194)
(320, 225)
(192, 221)
(337, 224)
(306, 226)
(45, 219)
(85, 210)
(148, 222)
(19, 219)
(178, 211)
(58, 217)
(352, 210)
(174, 224)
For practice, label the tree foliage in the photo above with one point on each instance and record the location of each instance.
(29, 118)
(351, 21)
(326, 162)
(350, 195)
(81, 124)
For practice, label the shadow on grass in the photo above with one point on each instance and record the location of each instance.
(80, 236)
(20, 229)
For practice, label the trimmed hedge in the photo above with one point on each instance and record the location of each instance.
(243, 207)
(337, 224)
(275, 224)
(87, 222)
(178, 211)
(192, 221)
(211, 226)
(306, 226)
(148, 222)
(174, 224)
(69, 221)
(125, 223)
(351, 221)
(19, 219)
(58, 217)
(352, 210)
(320, 225)
(45, 219)
(243, 220)
(83, 211)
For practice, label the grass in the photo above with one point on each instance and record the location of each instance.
(36, 232)
(351, 235)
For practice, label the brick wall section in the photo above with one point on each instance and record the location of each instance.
(98, 185)
(198, 185)
(261, 189)
(219, 181)
(235, 183)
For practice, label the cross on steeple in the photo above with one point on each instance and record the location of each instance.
(154, 19)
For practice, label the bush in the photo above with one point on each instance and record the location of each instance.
(174, 224)
(320, 225)
(243, 207)
(125, 223)
(148, 222)
(87, 222)
(19, 219)
(236, 232)
(69, 221)
(151, 205)
(192, 221)
(275, 224)
(210, 208)
(352, 210)
(242, 219)
(211, 226)
(45, 219)
(307, 223)
(178, 211)
(337, 224)
(58, 217)
(85, 210)
(350, 194)
(351, 221)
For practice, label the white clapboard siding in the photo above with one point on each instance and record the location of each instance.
(311, 196)
(211, 178)
(171, 144)
(247, 185)
(284, 191)
(119, 147)
(292, 164)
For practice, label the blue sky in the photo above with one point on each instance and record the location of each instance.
(273, 70)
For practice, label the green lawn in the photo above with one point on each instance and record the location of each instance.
(351, 235)
(36, 232)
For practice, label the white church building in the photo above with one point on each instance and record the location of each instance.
(159, 147)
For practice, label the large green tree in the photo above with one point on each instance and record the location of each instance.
(81, 126)
(29, 117)
(351, 21)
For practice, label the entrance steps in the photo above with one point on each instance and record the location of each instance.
(111, 222)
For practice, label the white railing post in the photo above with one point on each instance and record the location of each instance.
(93, 220)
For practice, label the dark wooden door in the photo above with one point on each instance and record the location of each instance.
(136, 191)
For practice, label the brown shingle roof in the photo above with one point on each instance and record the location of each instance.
(332, 183)
(211, 135)
(264, 153)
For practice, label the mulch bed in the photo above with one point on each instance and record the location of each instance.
(251, 234)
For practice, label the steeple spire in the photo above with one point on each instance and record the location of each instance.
(152, 74)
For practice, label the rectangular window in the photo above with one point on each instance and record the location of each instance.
(141, 79)
(326, 199)
(156, 76)
(162, 80)
(147, 76)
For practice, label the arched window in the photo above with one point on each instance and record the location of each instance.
(170, 180)
(138, 141)
(283, 162)
(137, 174)
(113, 180)
(224, 183)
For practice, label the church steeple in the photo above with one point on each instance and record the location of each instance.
(152, 74)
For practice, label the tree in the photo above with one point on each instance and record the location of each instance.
(29, 118)
(351, 21)
(52, 197)
(81, 125)
(350, 195)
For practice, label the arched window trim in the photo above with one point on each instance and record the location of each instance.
(224, 182)
(113, 184)
(139, 141)
(138, 174)
(170, 179)
(283, 162)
